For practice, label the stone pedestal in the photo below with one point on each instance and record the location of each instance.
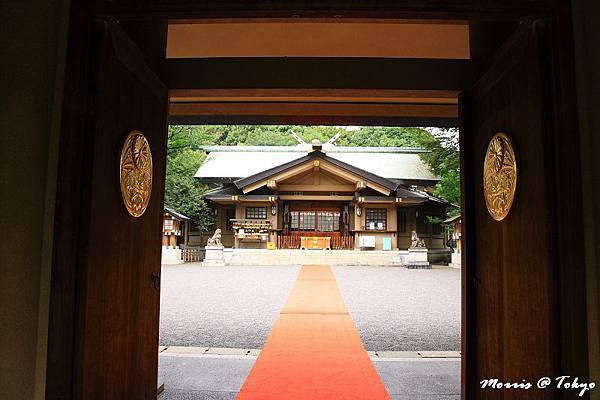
(417, 258)
(213, 256)
(455, 262)
(171, 256)
(228, 255)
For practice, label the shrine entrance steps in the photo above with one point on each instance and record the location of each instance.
(327, 257)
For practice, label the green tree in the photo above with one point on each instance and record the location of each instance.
(444, 160)
(183, 192)
(385, 137)
(183, 137)
(268, 136)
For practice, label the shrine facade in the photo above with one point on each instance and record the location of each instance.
(322, 196)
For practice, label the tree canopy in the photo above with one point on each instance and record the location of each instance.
(184, 193)
(444, 160)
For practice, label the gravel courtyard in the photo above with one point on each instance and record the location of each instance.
(393, 308)
(401, 309)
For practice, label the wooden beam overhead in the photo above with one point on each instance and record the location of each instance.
(397, 200)
(333, 120)
(318, 38)
(198, 105)
(306, 95)
(315, 197)
(445, 111)
(272, 184)
(316, 73)
(338, 9)
(314, 188)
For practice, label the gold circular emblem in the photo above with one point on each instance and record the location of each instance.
(136, 173)
(499, 176)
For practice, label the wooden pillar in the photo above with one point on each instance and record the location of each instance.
(186, 232)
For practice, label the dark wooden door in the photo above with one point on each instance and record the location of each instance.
(521, 276)
(510, 276)
(118, 299)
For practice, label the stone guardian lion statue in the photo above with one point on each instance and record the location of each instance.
(215, 240)
(415, 241)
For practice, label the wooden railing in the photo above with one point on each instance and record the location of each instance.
(342, 242)
(337, 242)
(192, 254)
(288, 242)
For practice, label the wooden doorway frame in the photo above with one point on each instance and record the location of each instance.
(147, 26)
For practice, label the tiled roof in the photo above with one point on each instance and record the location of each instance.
(316, 154)
(176, 214)
(236, 162)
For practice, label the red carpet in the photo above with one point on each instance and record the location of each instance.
(313, 351)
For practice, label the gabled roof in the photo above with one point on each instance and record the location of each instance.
(452, 219)
(230, 163)
(409, 194)
(222, 191)
(176, 214)
(241, 183)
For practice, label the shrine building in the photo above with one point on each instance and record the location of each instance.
(322, 196)
(175, 228)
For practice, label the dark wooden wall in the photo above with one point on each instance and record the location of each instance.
(515, 297)
(587, 63)
(119, 314)
(523, 310)
(68, 214)
(105, 312)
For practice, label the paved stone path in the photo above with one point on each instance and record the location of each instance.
(220, 377)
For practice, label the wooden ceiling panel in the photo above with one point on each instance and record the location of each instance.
(318, 39)
(315, 109)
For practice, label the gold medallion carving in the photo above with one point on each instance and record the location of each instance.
(136, 173)
(499, 176)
